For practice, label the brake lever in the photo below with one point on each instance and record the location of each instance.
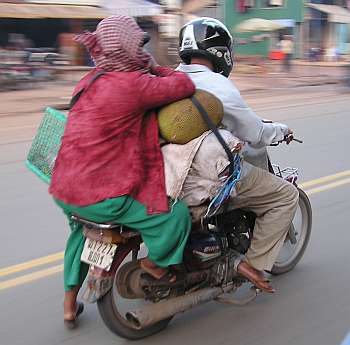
(285, 139)
(290, 137)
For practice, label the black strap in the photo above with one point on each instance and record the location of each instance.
(76, 97)
(214, 129)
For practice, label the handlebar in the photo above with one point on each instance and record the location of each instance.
(297, 140)
(288, 138)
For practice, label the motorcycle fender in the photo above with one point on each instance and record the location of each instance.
(100, 281)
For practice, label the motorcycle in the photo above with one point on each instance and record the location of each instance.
(135, 308)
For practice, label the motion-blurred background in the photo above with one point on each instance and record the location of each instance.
(36, 36)
(291, 65)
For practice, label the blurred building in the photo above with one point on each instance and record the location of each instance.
(322, 24)
(145, 13)
(289, 13)
(329, 24)
(203, 8)
(49, 23)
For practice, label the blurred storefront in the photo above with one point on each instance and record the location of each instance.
(132, 8)
(289, 13)
(176, 14)
(49, 23)
(145, 13)
(162, 19)
(53, 23)
(329, 26)
(202, 8)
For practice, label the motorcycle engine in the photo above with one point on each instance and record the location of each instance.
(201, 250)
(238, 226)
(229, 230)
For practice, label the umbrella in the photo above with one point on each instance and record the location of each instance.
(258, 24)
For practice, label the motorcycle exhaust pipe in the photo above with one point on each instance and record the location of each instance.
(153, 313)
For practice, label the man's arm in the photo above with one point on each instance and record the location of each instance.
(246, 125)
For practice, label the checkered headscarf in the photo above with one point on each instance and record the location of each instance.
(117, 45)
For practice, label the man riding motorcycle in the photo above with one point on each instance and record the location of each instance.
(210, 41)
(206, 50)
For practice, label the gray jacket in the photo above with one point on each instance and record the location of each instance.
(239, 119)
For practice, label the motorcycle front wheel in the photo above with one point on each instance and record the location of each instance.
(293, 249)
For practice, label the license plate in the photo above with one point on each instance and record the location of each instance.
(98, 253)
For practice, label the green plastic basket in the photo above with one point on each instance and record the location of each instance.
(43, 152)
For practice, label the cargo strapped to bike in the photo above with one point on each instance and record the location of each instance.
(234, 166)
(214, 129)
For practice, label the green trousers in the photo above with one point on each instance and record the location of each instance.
(165, 234)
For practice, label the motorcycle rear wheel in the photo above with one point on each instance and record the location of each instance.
(112, 317)
(291, 253)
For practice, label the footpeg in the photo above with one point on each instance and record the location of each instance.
(240, 302)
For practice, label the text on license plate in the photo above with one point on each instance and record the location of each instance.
(98, 253)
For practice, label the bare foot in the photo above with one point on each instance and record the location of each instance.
(256, 277)
(71, 316)
(155, 271)
(71, 322)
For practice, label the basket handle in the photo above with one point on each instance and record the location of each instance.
(76, 97)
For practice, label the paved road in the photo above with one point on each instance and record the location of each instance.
(312, 305)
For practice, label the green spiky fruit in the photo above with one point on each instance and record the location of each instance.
(180, 122)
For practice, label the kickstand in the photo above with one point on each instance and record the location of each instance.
(240, 302)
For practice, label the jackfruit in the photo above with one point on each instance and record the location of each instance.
(180, 122)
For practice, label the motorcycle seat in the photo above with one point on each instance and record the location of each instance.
(94, 225)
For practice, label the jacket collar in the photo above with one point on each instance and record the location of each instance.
(193, 68)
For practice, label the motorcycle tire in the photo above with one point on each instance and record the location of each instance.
(306, 210)
(118, 325)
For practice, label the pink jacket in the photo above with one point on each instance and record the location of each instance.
(110, 145)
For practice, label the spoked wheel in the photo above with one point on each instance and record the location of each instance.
(121, 299)
(294, 246)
